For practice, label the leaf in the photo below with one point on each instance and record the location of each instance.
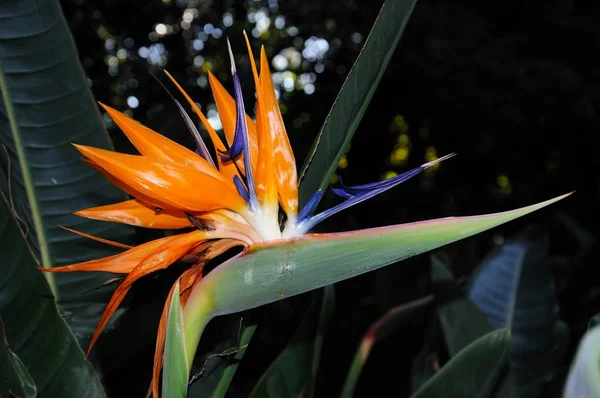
(176, 363)
(473, 371)
(293, 372)
(354, 97)
(514, 287)
(220, 367)
(34, 330)
(583, 380)
(461, 321)
(15, 380)
(383, 327)
(46, 105)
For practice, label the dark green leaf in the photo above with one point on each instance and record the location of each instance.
(383, 327)
(293, 372)
(354, 97)
(15, 380)
(473, 371)
(35, 331)
(461, 321)
(514, 288)
(46, 105)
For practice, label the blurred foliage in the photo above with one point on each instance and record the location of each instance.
(507, 85)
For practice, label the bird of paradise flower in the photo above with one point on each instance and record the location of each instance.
(236, 200)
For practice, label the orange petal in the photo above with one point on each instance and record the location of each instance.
(227, 113)
(186, 281)
(122, 263)
(159, 258)
(152, 144)
(102, 240)
(167, 182)
(266, 189)
(135, 212)
(126, 188)
(228, 169)
(285, 163)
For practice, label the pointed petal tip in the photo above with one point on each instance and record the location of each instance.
(231, 58)
(439, 160)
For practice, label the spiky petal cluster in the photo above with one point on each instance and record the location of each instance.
(234, 200)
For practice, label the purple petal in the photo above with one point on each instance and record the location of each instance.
(364, 194)
(310, 206)
(241, 188)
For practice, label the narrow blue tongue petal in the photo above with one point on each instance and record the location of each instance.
(240, 143)
(201, 148)
(241, 188)
(310, 206)
(360, 193)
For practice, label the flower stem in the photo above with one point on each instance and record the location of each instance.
(197, 312)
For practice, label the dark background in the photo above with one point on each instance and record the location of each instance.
(513, 88)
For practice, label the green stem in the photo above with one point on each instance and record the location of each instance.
(362, 353)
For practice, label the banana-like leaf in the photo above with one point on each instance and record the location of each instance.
(379, 330)
(460, 321)
(15, 380)
(584, 376)
(293, 372)
(176, 362)
(34, 330)
(514, 287)
(354, 97)
(46, 105)
(473, 371)
(286, 268)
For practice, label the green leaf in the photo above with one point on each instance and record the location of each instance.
(461, 321)
(473, 371)
(584, 375)
(34, 330)
(293, 372)
(383, 327)
(514, 287)
(176, 362)
(15, 380)
(354, 97)
(230, 368)
(46, 105)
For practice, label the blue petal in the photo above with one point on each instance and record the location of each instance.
(201, 148)
(310, 206)
(241, 188)
(240, 139)
(363, 193)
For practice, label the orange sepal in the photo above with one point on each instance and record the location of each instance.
(178, 186)
(284, 161)
(98, 239)
(160, 258)
(135, 212)
(266, 188)
(205, 251)
(122, 263)
(152, 144)
(126, 188)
